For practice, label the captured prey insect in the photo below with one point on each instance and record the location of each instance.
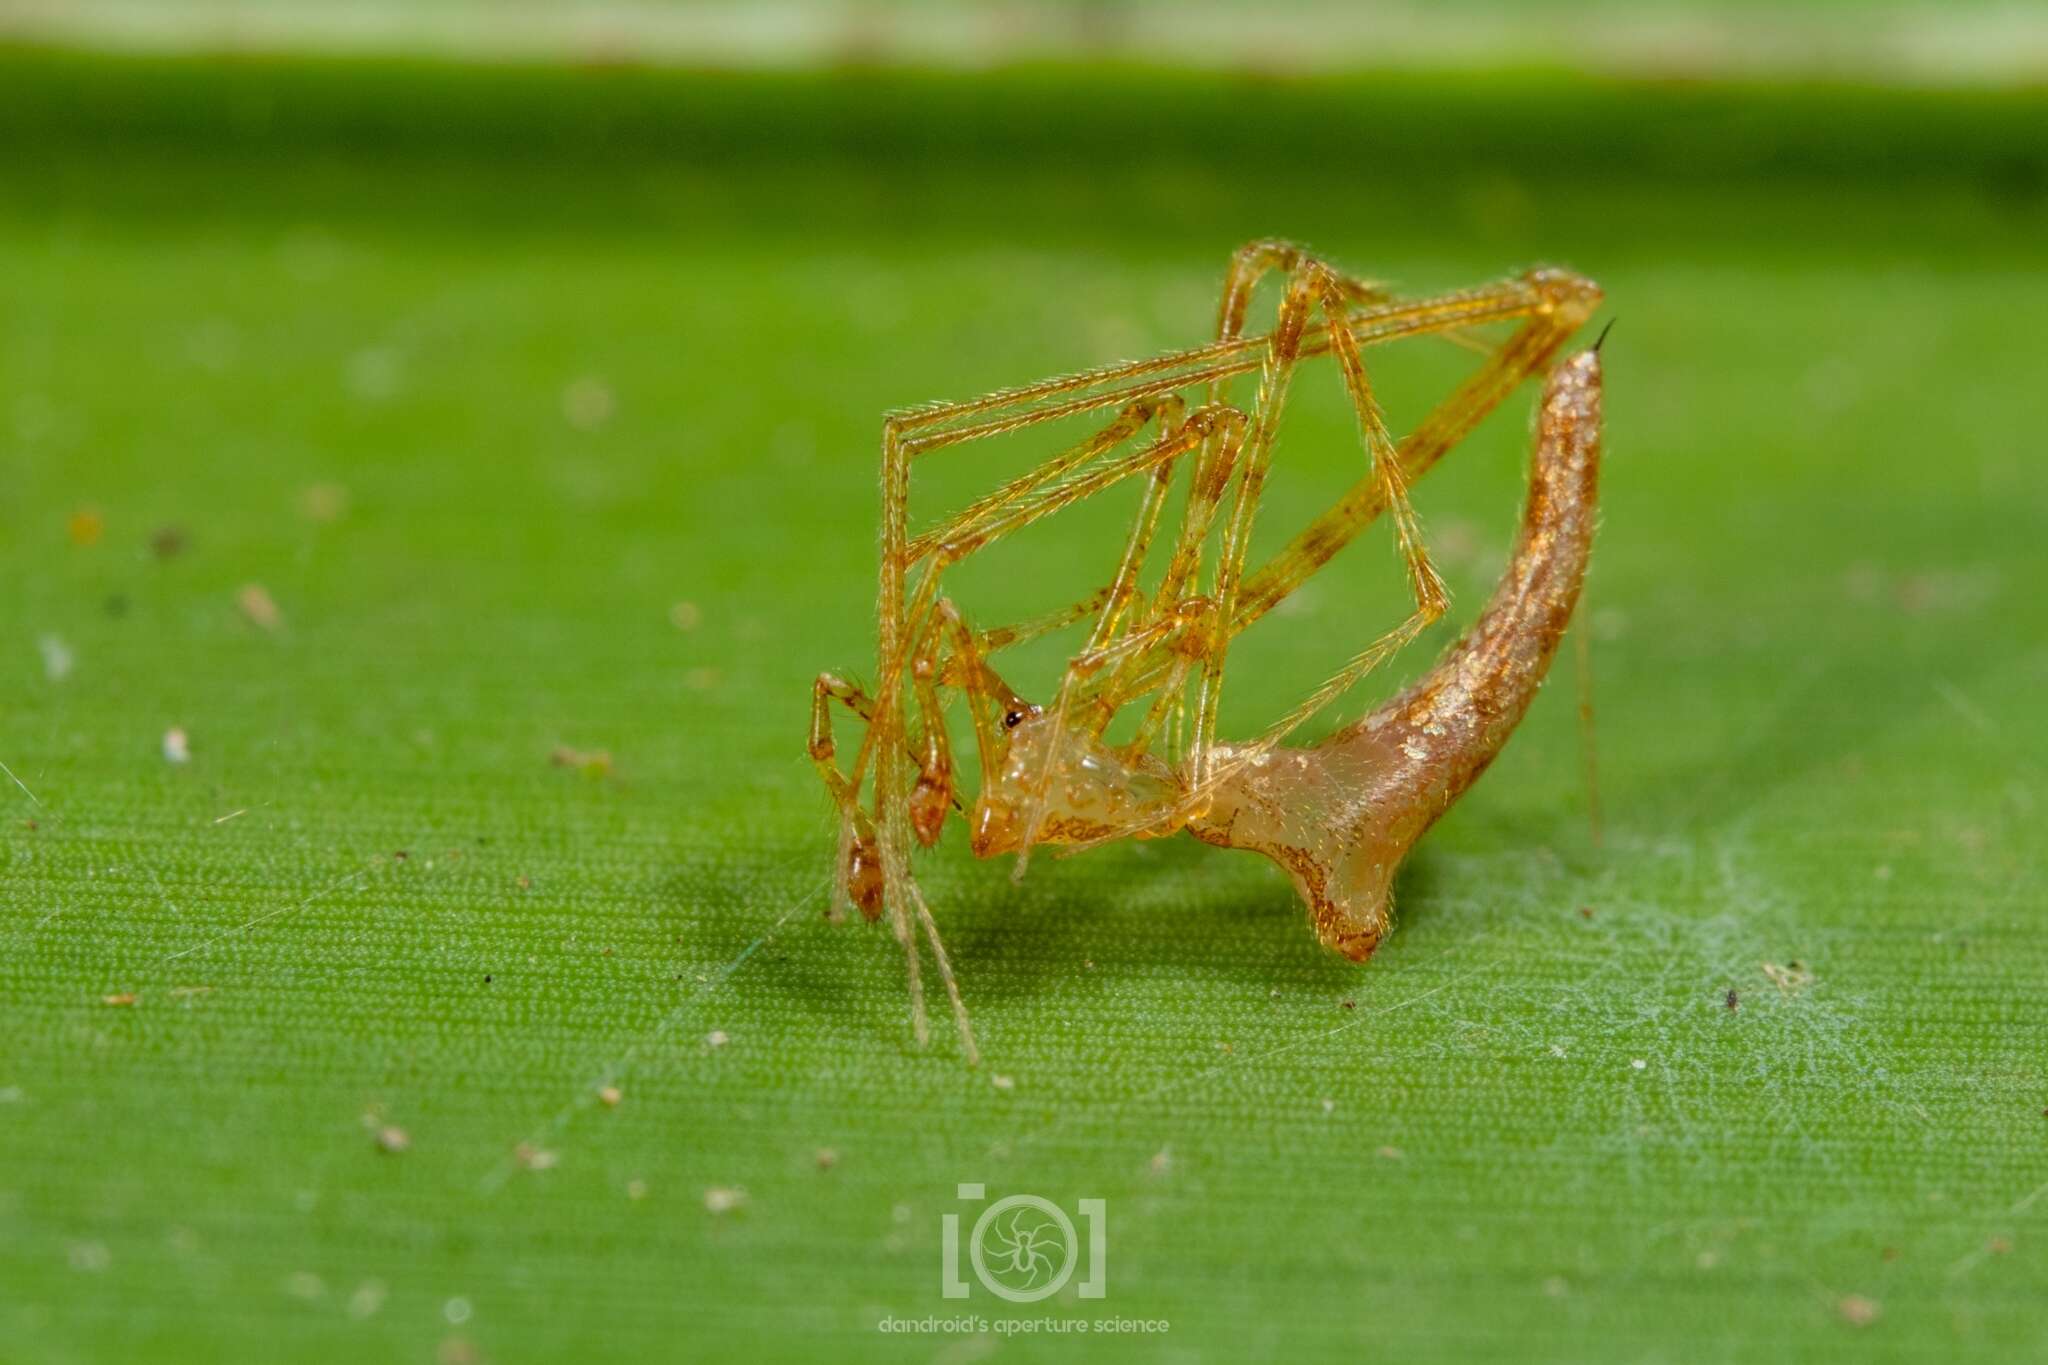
(1338, 815)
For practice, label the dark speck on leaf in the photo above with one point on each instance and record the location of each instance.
(1734, 1001)
(117, 605)
(487, 978)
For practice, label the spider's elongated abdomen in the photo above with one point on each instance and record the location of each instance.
(1341, 815)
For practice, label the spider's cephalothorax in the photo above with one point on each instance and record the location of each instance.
(1338, 815)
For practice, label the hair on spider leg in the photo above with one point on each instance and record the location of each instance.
(1601, 340)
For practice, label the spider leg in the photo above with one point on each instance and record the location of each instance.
(856, 871)
(1531, 350)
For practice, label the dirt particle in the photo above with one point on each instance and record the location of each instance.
(588, 403)
(457, 1350)
(1733, 1001)
(368, 1298)
(532, 1158)
(1858, 1311)
(399, 855)
(1003, 1082)
(1585, 912)
(524, 883)
(723, 1199)
(610, 1096)
(702, 679)
(1639, 1064)
(1999, 1246)
(1390, 1154)
(119, 998)
(1888, 1254)
(718, 1037)
(636, 1190)
(1329, 1106)
(258, 605)
(1790, 978)
(177, 747)
(168, 542)
(1162, 1161)
(827, 1158)
(391, 1138)
(323, 502)
(592, 763)
(487, 978)
(1350, 1004)
(57, 658)
(685, 616)
(86, 526)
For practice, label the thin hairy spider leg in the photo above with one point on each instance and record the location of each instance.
(951, 549)
(1304, 288)
(885, 733)
(997, 638)
(1529, 351)
(1337, 292)
(952, 984)
(854, 826)
(1423, 580)
(1123, 585)
(935, 793)
(1067, 395)
(1128, 423)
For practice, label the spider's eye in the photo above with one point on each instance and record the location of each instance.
(1012, 719)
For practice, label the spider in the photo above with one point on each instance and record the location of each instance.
(1339, 815)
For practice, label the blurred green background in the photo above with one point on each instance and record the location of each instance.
(396, 401)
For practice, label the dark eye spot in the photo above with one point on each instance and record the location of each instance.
(1013, 719)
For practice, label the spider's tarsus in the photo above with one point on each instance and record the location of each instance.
(1601, 340)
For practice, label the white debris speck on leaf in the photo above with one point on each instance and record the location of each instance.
(177, 748)
(1556, 1287)
(1003, 1082)
(723, 1199)
(610, 1096)
(1858, 1311)
(456, 1311)
(717, 1038)
(88, 1257)
(588, 403)
(259, 606)
(1162, 1161)
(376, 373)
(368, 1298)
(392, 1138)
(304, 1284)
(1390, 1153)
(57, 658)
(636, 1189)
(1639, 1064)
(323, 502)
(534, 1158)
(1329, 1106)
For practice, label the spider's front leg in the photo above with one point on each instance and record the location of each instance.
(857, 872)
